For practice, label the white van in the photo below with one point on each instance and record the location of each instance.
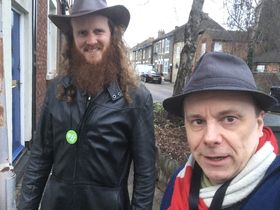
(143, 68)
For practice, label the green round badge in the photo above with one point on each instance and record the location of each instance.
(71, 137)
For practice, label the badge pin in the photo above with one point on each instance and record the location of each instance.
(71, 137)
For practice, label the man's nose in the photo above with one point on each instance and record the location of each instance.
(91, 39)
(212, 134)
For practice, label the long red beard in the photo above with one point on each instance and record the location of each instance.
(93, 78)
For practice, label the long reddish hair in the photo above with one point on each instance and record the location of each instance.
(126, 75)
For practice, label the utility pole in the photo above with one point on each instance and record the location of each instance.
(7, 175)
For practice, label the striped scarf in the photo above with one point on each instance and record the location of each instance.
(250, 176)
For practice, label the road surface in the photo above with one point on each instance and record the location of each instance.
(160, 91)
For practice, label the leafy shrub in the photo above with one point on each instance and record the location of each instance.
(163, 119)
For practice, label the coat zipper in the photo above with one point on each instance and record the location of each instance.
(79, 128)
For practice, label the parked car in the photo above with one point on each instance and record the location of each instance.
(151, 76)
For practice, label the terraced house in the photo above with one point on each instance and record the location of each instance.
(164, 51)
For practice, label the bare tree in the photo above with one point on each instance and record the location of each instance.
(268, 32)
(242, 14)
(261, 19)
(188, 51)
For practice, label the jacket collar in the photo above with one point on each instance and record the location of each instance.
(114, 89)
(66, 81)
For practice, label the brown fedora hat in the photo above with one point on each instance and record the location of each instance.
(217, 71)
(118, 14)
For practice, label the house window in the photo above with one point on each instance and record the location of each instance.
(203, 48)
(149, 53)
(165, 66)
(178, 52)
(166, 50)
(260, 68)
(155, 49)
(218, 47)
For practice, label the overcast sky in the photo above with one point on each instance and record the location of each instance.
(150, 16)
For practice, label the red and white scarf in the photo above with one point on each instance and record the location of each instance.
(250, 176)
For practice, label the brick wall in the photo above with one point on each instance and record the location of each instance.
(41, 55)
(202, 38)
(239, 49)
(235, 48)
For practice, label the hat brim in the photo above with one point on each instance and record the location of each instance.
(174, 105)
(118, 14)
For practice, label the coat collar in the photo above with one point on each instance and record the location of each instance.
(114, 89)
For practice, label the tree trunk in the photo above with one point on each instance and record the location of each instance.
(188, 51)
(252, 36)
(268, 27)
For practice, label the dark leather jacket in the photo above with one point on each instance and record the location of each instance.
(92, 173)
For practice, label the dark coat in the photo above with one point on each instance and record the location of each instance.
(266, 196)
(92, 173)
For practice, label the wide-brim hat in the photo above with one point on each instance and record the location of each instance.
(118, 14)
(217, 71)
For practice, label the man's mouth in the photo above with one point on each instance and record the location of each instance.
(216, 158)
(92, 50)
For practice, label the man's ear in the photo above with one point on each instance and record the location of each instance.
(260, 121)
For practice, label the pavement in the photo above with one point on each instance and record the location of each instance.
(21, 163)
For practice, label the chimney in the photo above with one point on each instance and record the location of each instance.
(161, 33)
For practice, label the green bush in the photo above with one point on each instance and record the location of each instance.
(160, 115)
(162, 118)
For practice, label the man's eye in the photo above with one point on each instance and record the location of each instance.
(82, 33)
(230, 119)
(197, 122)
(98, 31)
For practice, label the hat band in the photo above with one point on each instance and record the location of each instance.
(220, 83)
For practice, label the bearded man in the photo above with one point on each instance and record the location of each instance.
(96, 120)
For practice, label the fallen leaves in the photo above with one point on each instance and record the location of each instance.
(172, 142)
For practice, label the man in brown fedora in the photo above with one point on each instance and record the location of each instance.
(233, 162)
(96, 120)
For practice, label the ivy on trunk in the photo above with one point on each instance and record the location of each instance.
(188, 51)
